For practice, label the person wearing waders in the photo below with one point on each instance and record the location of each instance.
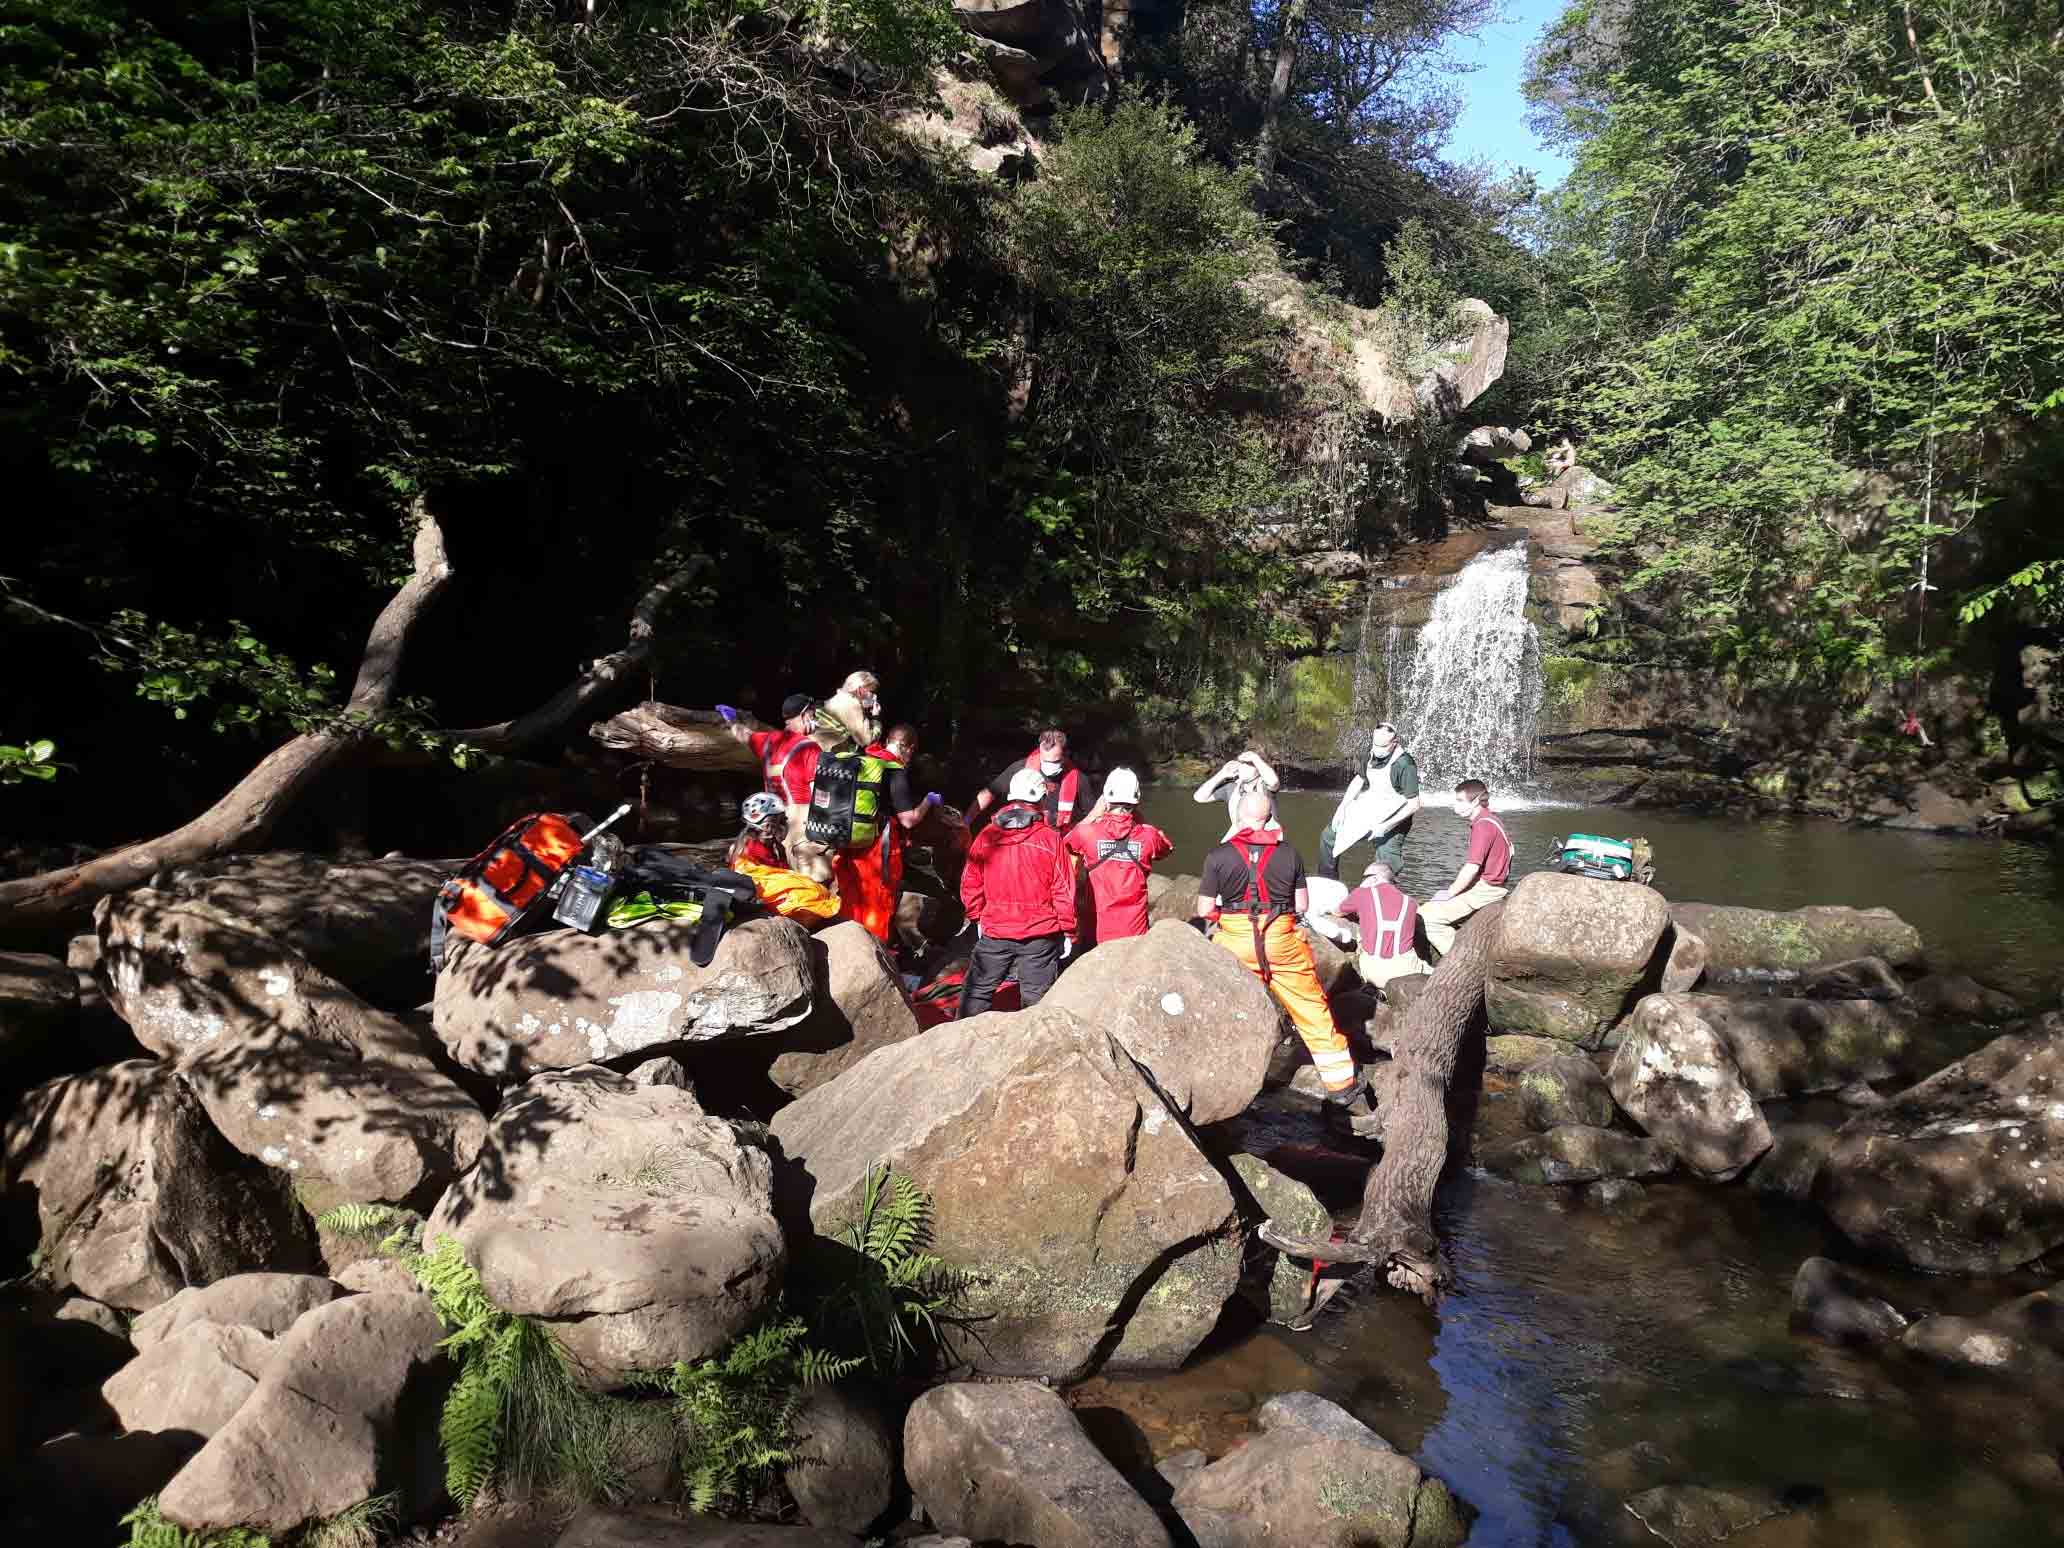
(1379, 805)
(1250, 897)
(1018, 888)
(1485, 870)
(1388, 918)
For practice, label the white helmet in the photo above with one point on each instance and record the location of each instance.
(1122, 788)
(759, 810)
(1028, 785)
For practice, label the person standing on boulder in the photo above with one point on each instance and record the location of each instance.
(1388, 918)
(1251, 895)
(1018, 888)
(1059, 775)
(1481, 881)
(1379, 804)
(870, 878)
(1117, 851)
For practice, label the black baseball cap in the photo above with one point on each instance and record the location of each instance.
(796, 704)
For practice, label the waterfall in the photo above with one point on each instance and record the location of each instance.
(1471, 697)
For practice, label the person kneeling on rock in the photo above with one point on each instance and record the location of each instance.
(1388, 917)
(1018, 888)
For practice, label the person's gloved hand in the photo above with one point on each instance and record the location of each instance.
(1067, 947)
(1442, 896)
(729, 712)
(933, 798)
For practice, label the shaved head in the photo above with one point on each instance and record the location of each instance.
(1256, 807)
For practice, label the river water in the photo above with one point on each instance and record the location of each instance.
(1589, 1354)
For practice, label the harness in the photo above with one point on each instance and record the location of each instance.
(1391, 933)
(1109, 849)
(1491, 818)
(1071, 787)
(1254, 901)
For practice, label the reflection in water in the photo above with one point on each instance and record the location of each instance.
(1588, 1354)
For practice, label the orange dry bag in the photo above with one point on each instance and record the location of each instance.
(493, 890)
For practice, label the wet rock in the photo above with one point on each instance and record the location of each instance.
(137, 1195)
(265, 1303)
(1797, 1152)
(1571, 954)
(1860, 978)
(195, 1381)
(1685, 960)
(341, 1414)
(562, 999)
(2019, 1344)
(1317, 1475)
(1202, 1024)
(1756, 941)
(1959, 1174)
(661, 1072)
(1577, 1153)
(843, 1471)
(599, 1526)
(638, 1228)
(1954, 997)
(1007, 1462)
(1511, 1052)
(365, 923)
(294, 1069)
(1831, 1303)
(1931, 809)
(38, 996)
(860, 1007)
(1686, 1515)
(1565, 1089)
(1297, 1209)
(1614, 1194)
(1676, 1077)
(1789, 1047)
(1058, 1179)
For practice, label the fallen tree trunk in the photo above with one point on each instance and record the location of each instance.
(257, 800)
(675, 737)
(1395, 1227)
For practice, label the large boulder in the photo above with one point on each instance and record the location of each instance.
(1676, 1076)
(639, 1229)
(1577, 1153)
(1830, 1302)
(195, 1381)
(136, 1194)
(1298, 1210)
(1058, 1178)
(553, 1001)
(1860, 978)
(2020, 1343)
(1317, 1475)
(1955, 997)
(343, 1413)
(1754, 942)
(1571, 955)
(842, 1466)
(294, 1068)
(1960, 1174)
(1200, 1022)
(860, 1006)
(1007, 1462)
(1565, 1089)
(366, 923)
(266, 1303)
(1785, 1047)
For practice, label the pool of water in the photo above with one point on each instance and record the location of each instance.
(1590, 1354)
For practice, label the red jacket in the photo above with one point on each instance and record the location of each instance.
(1118, 850)
(1018, 883)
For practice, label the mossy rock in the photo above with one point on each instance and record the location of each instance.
(1298, 1210)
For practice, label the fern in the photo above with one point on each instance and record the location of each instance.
(362, 1526)
(365, 1221)
(149, 1529)
(893, 1296)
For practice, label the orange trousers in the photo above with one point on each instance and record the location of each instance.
(1293, 978)
(870, 885)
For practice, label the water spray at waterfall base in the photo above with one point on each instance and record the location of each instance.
(1470, 701)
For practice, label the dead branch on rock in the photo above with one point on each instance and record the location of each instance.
(669, 735)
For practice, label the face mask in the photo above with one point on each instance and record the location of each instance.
(1049, 765)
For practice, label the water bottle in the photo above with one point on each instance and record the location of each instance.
(582, 900)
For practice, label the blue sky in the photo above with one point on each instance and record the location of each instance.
(1493, 122)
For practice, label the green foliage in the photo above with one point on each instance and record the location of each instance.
(149, 1529)
(2038, 587)
(366, 1221)
(35, 761)
(364, 1525)
(890, 1300)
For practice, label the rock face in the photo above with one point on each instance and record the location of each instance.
(1675, 1075)
(293, 1068)
(1786, 1047)
(1571, 954)
(1565, 1089)
(1687, 959)
(1058, 1179)
(266, 1303)
(1202, 1024)
(1831, 1303)
(1958, 1173)
(1756, 941)
(552, 1001)
(641, 1230)
(136, 1193)
(1006, 1462)
(844, 1470)
(860, 1007)
(1317, 1475)
(195, 1380)
(365, 923)
(1577, 1153)
(335, 1420)
(1297, 1209)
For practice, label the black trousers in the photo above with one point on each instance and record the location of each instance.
(1035, 962)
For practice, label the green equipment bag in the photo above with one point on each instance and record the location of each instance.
(1604, 859)
(847, 800)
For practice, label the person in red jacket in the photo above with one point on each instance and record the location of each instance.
(1019, 890)
(1117, 850)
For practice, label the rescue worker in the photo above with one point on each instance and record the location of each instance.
(853, 713)
(1018, 888)
(1235, 778)
(1485, 870)
(1061, 778)
(1379, 804)
(760, 854)
(870, 877)
(1389, 918)
(1250, 897)
(788, 761)
(1116, 851)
